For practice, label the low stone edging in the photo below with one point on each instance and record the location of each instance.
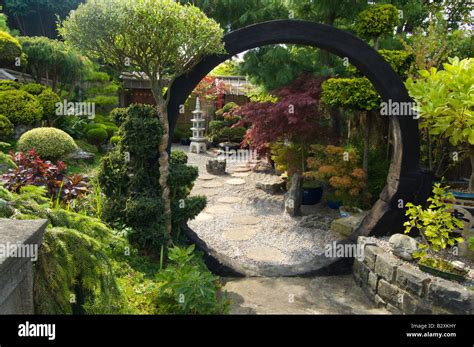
(402, 289)
(17, 273)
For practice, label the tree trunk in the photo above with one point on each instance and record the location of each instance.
(164, 159)
(471, 180)
(164, 171)
(365, 161)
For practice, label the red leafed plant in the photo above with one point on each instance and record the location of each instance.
(209, 88)
(32, 170)
(296, 116)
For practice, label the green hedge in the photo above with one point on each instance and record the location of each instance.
(20, 107)
(10, 48)
(354, 93)
(6, 128)
(50, 143)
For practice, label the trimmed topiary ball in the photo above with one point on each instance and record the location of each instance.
(20, 107)
(50, 143)
(9, 85)
(34, 88)
(96, 136)
(6, 128)
(48, 100)
(10, 49)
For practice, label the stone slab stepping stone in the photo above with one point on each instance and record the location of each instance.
(204, 217)
(239, 233)
(206, 177)
(265, 254)
(212, 184)
(230, 200)
(245, 220)
(205, 192)
(240, 174)
(240, 169)
(220, 209)
(235, 181)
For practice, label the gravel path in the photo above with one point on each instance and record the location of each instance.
(249, 226)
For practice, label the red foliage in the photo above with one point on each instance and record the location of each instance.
(32, 170)
(209, 88)
(296, 115)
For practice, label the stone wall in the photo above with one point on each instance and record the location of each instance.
(403, 289)
(16, 272)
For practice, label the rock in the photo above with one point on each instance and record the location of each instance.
(216, 166)
(263, 168)
(265, 254)
(450, 296)
(273, 186)
(245, 220)
(235, 181)
(346, 225)
(294, 196)
(412, 280)
(403, 246)
(20, 130)
(80, 155)
(211, 184)
(371, 253)
(315, 222)
(240, 233)
(386, 266)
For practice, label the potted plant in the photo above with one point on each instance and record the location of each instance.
(438, 227)
(337, 168)
(312, 192)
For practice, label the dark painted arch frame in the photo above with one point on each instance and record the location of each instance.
(406, 181)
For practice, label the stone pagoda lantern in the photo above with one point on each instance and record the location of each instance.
(198, 141)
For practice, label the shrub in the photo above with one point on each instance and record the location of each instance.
(187, 286)
(34, 88)
(118, 114)
(354, 93)
(10, 48)
(132, 190)
(49, 143)
(48, 100)
(6, 128)
(435, 223)
(115, 140)
(20, 107)
(377, 20)
(178, 157)
(32, 170)
(96, 135)
(9, 85)
(337, 167)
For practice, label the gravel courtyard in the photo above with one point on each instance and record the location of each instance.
(248, 225)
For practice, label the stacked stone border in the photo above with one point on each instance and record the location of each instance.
(402, 289)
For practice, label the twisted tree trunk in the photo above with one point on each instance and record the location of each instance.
(164, 158)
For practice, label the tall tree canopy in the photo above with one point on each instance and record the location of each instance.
(161, 38)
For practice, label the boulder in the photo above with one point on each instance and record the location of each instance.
(273, 186)
(216, 166)
(403, 246)
(80, 155)
(20, 130)
(294, 196)
(346, 225)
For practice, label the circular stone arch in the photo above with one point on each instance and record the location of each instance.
(406, 182)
